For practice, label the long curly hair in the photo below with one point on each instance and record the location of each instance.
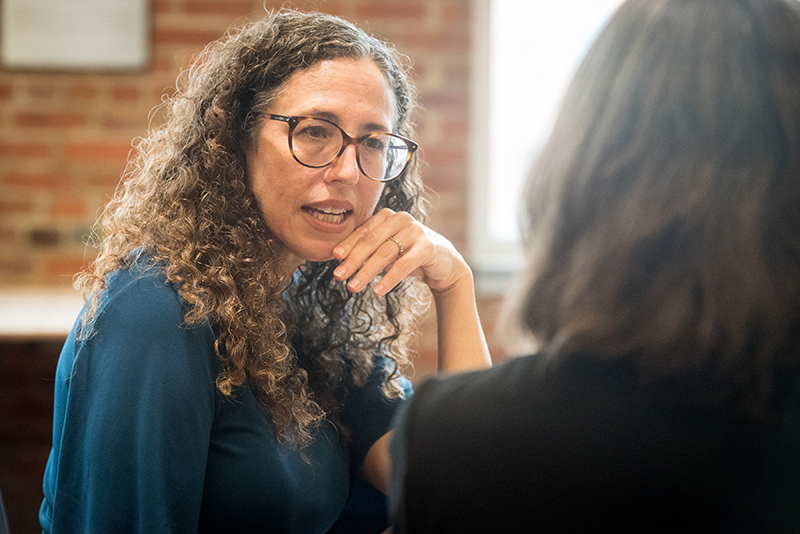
(185, 202)
(663, 215)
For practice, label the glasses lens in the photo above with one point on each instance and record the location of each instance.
(383, 156)
(315, 143)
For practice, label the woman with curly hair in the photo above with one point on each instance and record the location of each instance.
(242, 348)
(662, 291)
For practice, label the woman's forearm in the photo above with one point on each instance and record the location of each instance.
(460, 337)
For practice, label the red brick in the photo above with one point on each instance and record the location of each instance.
(42, 90)
(183, 36)
(445, 99)
(440, 41)
(419, 71)
(71, 208)
(97, 151)
(438, 182)
(457, 11)
(37, 180)
(161, 7)
(392, 10)
(125, 92)
(458, 73)
(6, 91)
(229, 8)
(15, 266)
(23, 150)
(164, 66)
(15, 207)
(456, 129)
(49, 119)
(444, 155)
(82, 92)
(9, 236)
(113, 122)
(65, 266)
(339, 9)
(108, 181)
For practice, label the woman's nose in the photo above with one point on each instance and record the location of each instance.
(345, 167)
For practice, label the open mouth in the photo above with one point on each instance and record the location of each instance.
(327, 215)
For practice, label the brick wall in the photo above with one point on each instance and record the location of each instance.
(64, 139)
(64, 136)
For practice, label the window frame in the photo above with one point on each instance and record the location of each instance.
(494, 261)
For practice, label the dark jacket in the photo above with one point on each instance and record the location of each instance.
(582, 447)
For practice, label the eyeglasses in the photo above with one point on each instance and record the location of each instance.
(316, 143)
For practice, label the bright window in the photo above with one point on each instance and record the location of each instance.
(525, 52)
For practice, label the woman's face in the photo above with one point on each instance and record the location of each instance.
(311, 210)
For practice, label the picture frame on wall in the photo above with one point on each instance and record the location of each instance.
(75, 34)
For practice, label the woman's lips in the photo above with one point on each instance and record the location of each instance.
(331, 211)
(328, 215)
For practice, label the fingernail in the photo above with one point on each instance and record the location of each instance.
(354, 285)
(338, 251)
(339, 272)
(379, 289)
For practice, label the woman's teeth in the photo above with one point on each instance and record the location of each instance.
(328, 215)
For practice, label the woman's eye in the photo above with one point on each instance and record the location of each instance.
(374, 143)
(314, 132)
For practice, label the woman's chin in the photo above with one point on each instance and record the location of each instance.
(318, 253)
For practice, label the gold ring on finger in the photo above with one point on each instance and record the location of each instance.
(399, 245)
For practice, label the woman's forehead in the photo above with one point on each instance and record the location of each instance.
(331, 88)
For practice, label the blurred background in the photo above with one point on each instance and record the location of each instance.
(67, 125)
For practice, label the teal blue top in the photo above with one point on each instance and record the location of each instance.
(144, 442)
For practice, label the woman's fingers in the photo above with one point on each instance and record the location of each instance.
(417, 250)
(362, 244)
(368, 234)
(395, 245)
(375, 248)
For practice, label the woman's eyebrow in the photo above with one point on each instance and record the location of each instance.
(333, 117)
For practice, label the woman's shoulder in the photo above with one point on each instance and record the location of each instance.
(504, 382)
(469, 401)
(523, 395)
(140, 293)
(140, 322)
(140, 307)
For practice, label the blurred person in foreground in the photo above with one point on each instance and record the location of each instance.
(662, 288)
(247, 325)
